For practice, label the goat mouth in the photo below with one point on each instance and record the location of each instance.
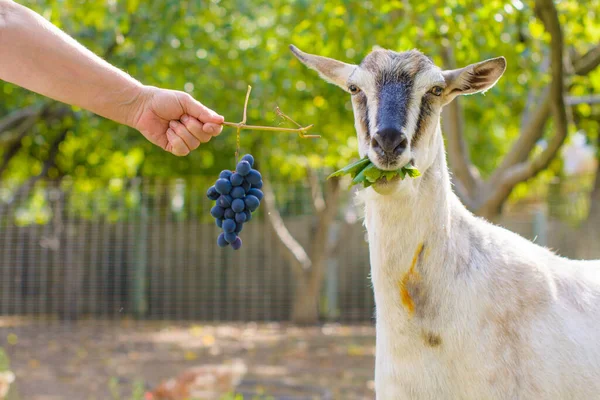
(390, 164)
(385, 163)
(385, 186)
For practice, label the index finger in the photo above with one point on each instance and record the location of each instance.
(201, 112)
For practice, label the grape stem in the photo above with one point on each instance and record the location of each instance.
(301, 130)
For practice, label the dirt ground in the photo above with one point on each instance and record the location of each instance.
(93, 360)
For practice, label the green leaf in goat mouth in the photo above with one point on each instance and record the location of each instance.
(365, 172)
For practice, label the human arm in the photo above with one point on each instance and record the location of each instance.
(40, 57)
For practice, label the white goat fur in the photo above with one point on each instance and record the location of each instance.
(493, 316)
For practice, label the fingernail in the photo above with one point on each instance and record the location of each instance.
(185, 118)
(173, 124)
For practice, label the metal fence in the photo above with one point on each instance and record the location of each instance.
(147, 249)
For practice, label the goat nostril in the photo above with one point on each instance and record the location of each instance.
(375, 144)
(401, 146)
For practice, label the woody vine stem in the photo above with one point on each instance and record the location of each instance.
(301, 130)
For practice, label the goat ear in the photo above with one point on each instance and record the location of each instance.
(473, 78)
(331, 70)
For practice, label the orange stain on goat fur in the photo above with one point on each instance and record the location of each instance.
(411, 276)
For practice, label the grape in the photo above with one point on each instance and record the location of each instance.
(237, 243)
(236, 195)
(243, 168)
(256, 193)
(240, 217)
(239, 227)
(217, 212)
(246, 185)
(229, 226)
(221, 242)
(230, 237)
(251, 202)
(236, 179)
(249, 158)
(225, 174)
(223, 186)
(229, 213)
(254, 177)
(238, 192)
(212, 193)
(225, 201)
(238, 205)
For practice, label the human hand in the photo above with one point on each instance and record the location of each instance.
(174, 121)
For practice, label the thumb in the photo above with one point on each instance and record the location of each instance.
(200, 111)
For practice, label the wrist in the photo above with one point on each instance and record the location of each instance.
(119, 101)
(137, 98)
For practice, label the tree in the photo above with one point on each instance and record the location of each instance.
(521, 163)
(192, 47)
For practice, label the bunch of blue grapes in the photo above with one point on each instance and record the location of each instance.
(237, 194)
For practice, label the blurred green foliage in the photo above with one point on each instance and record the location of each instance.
(214, 49)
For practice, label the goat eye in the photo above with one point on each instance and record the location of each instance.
(437, 90)
(353, 89)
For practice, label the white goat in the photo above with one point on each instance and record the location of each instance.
(465, 309)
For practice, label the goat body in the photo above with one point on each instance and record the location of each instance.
(469, 310)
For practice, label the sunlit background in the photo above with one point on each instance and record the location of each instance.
(111, 281)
